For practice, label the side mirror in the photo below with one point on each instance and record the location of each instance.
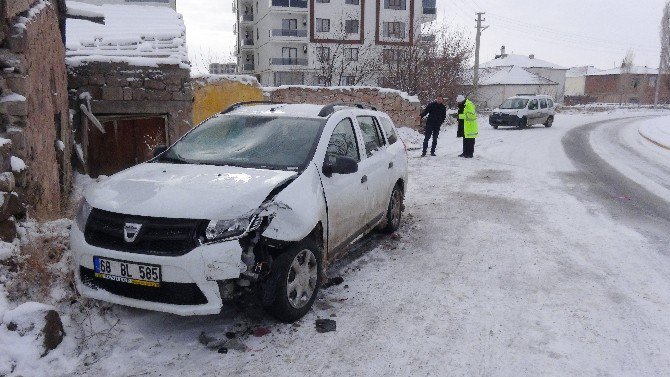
(339, 165)
(159, 150)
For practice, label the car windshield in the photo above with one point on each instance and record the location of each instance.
(250, 141)
(514, 103)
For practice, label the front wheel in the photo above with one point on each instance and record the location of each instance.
(394, 210)
(296, 277)
(495, 127)
(523, 123)
(549, 122)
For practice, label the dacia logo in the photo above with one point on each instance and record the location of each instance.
(130, 232)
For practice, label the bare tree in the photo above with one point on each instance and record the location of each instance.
(436, 64)
(626, 77)
(665, 50)
(341, 63)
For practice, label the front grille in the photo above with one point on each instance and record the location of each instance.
(158, 236)
(167, 293)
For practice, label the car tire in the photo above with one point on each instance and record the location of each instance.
(549, 122)
(295, 278)
(495, 127)
(394, 210)
(523, 123)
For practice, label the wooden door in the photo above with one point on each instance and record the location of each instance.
(126, 142)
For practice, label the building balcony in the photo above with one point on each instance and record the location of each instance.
(290, 3)
(247, 67)
(289, 33)
(429, 11)
(247, 43)
(247, 18)
(427, 38)
(429, 7)
(288, 61)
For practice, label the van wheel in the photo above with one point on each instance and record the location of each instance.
(523, 123)
(394, 210)
(495, 127)
(296, 277)
(549, 122)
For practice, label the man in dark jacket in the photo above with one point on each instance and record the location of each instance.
(436, 112)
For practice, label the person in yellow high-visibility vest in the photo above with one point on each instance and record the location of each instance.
(470, 129)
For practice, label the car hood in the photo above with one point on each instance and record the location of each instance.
(186, 191)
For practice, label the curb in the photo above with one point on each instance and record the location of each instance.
(653, 141)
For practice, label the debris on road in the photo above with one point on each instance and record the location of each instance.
(325, 325)
(221, 344)
(261, 331)
(337, 280)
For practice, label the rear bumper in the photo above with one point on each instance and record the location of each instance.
(188, 282)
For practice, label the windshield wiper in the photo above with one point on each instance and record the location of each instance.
(175, 160)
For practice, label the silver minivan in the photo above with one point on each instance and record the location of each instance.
(522, 111)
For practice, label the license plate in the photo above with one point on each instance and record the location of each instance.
(148, 275)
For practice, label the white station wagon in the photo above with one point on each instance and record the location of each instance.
(260, 195)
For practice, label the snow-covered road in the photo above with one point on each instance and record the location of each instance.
(521, 261)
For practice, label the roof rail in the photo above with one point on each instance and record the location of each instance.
(329, 109)
(237, 105)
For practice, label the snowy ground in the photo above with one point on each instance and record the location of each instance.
(520, 261)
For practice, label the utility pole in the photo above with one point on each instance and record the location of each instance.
(480, 29)
(661, 65)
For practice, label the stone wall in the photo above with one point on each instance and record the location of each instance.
(33, 112)
(124, 89)
(403, 109)
(214, 93)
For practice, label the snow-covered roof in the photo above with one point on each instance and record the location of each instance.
(511, 75)
(633, 70)
(520, 61)
(403, 95)
(582, 71)
(135, 34)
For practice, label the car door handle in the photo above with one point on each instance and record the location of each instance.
(364, 179)
(391, 165)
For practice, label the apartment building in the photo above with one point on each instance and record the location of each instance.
(287, 42)
(222, 68)
(166, 3)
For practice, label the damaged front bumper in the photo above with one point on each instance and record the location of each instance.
(189, 283)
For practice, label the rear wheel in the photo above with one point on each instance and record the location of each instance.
(394, 210)
(549, 122)
(495, 127)
(523, 123)
(296, 277)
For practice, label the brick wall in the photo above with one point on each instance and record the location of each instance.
(403, 112)
(610, 89)
(32, 59)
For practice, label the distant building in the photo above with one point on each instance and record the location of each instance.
(222, 68)
(129, 83)
(636, 85)
(508, 75)
(575, 80)
(287, 41)
(165, 3)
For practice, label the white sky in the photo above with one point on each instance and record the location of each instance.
(566, 32)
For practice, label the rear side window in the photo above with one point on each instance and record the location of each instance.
(343, 142)
(543, 103)
(389, 130)
(532, 105)
(371, 137)
(550, 102)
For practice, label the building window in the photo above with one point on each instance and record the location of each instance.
(289, 78)
(323, 1)
(391, 55)
(289, 55)
(352, 2)
(351, 54)
(323, 54)
(289, 24)
(652, 81)
(395, 4)
(321, 80)
(323, 25)
(351, 26)
(348, 80)
(394, 30)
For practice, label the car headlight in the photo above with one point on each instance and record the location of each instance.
(82, 214)
(220, 230)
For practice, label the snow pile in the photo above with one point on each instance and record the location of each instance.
(212, 79)
(17, 164)
(134, 34)
(77, 9)
(404, 95)
(520, 61)
(13, 97)
(411, 137)
(657, 131)
(37, 8)
(633, 70)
